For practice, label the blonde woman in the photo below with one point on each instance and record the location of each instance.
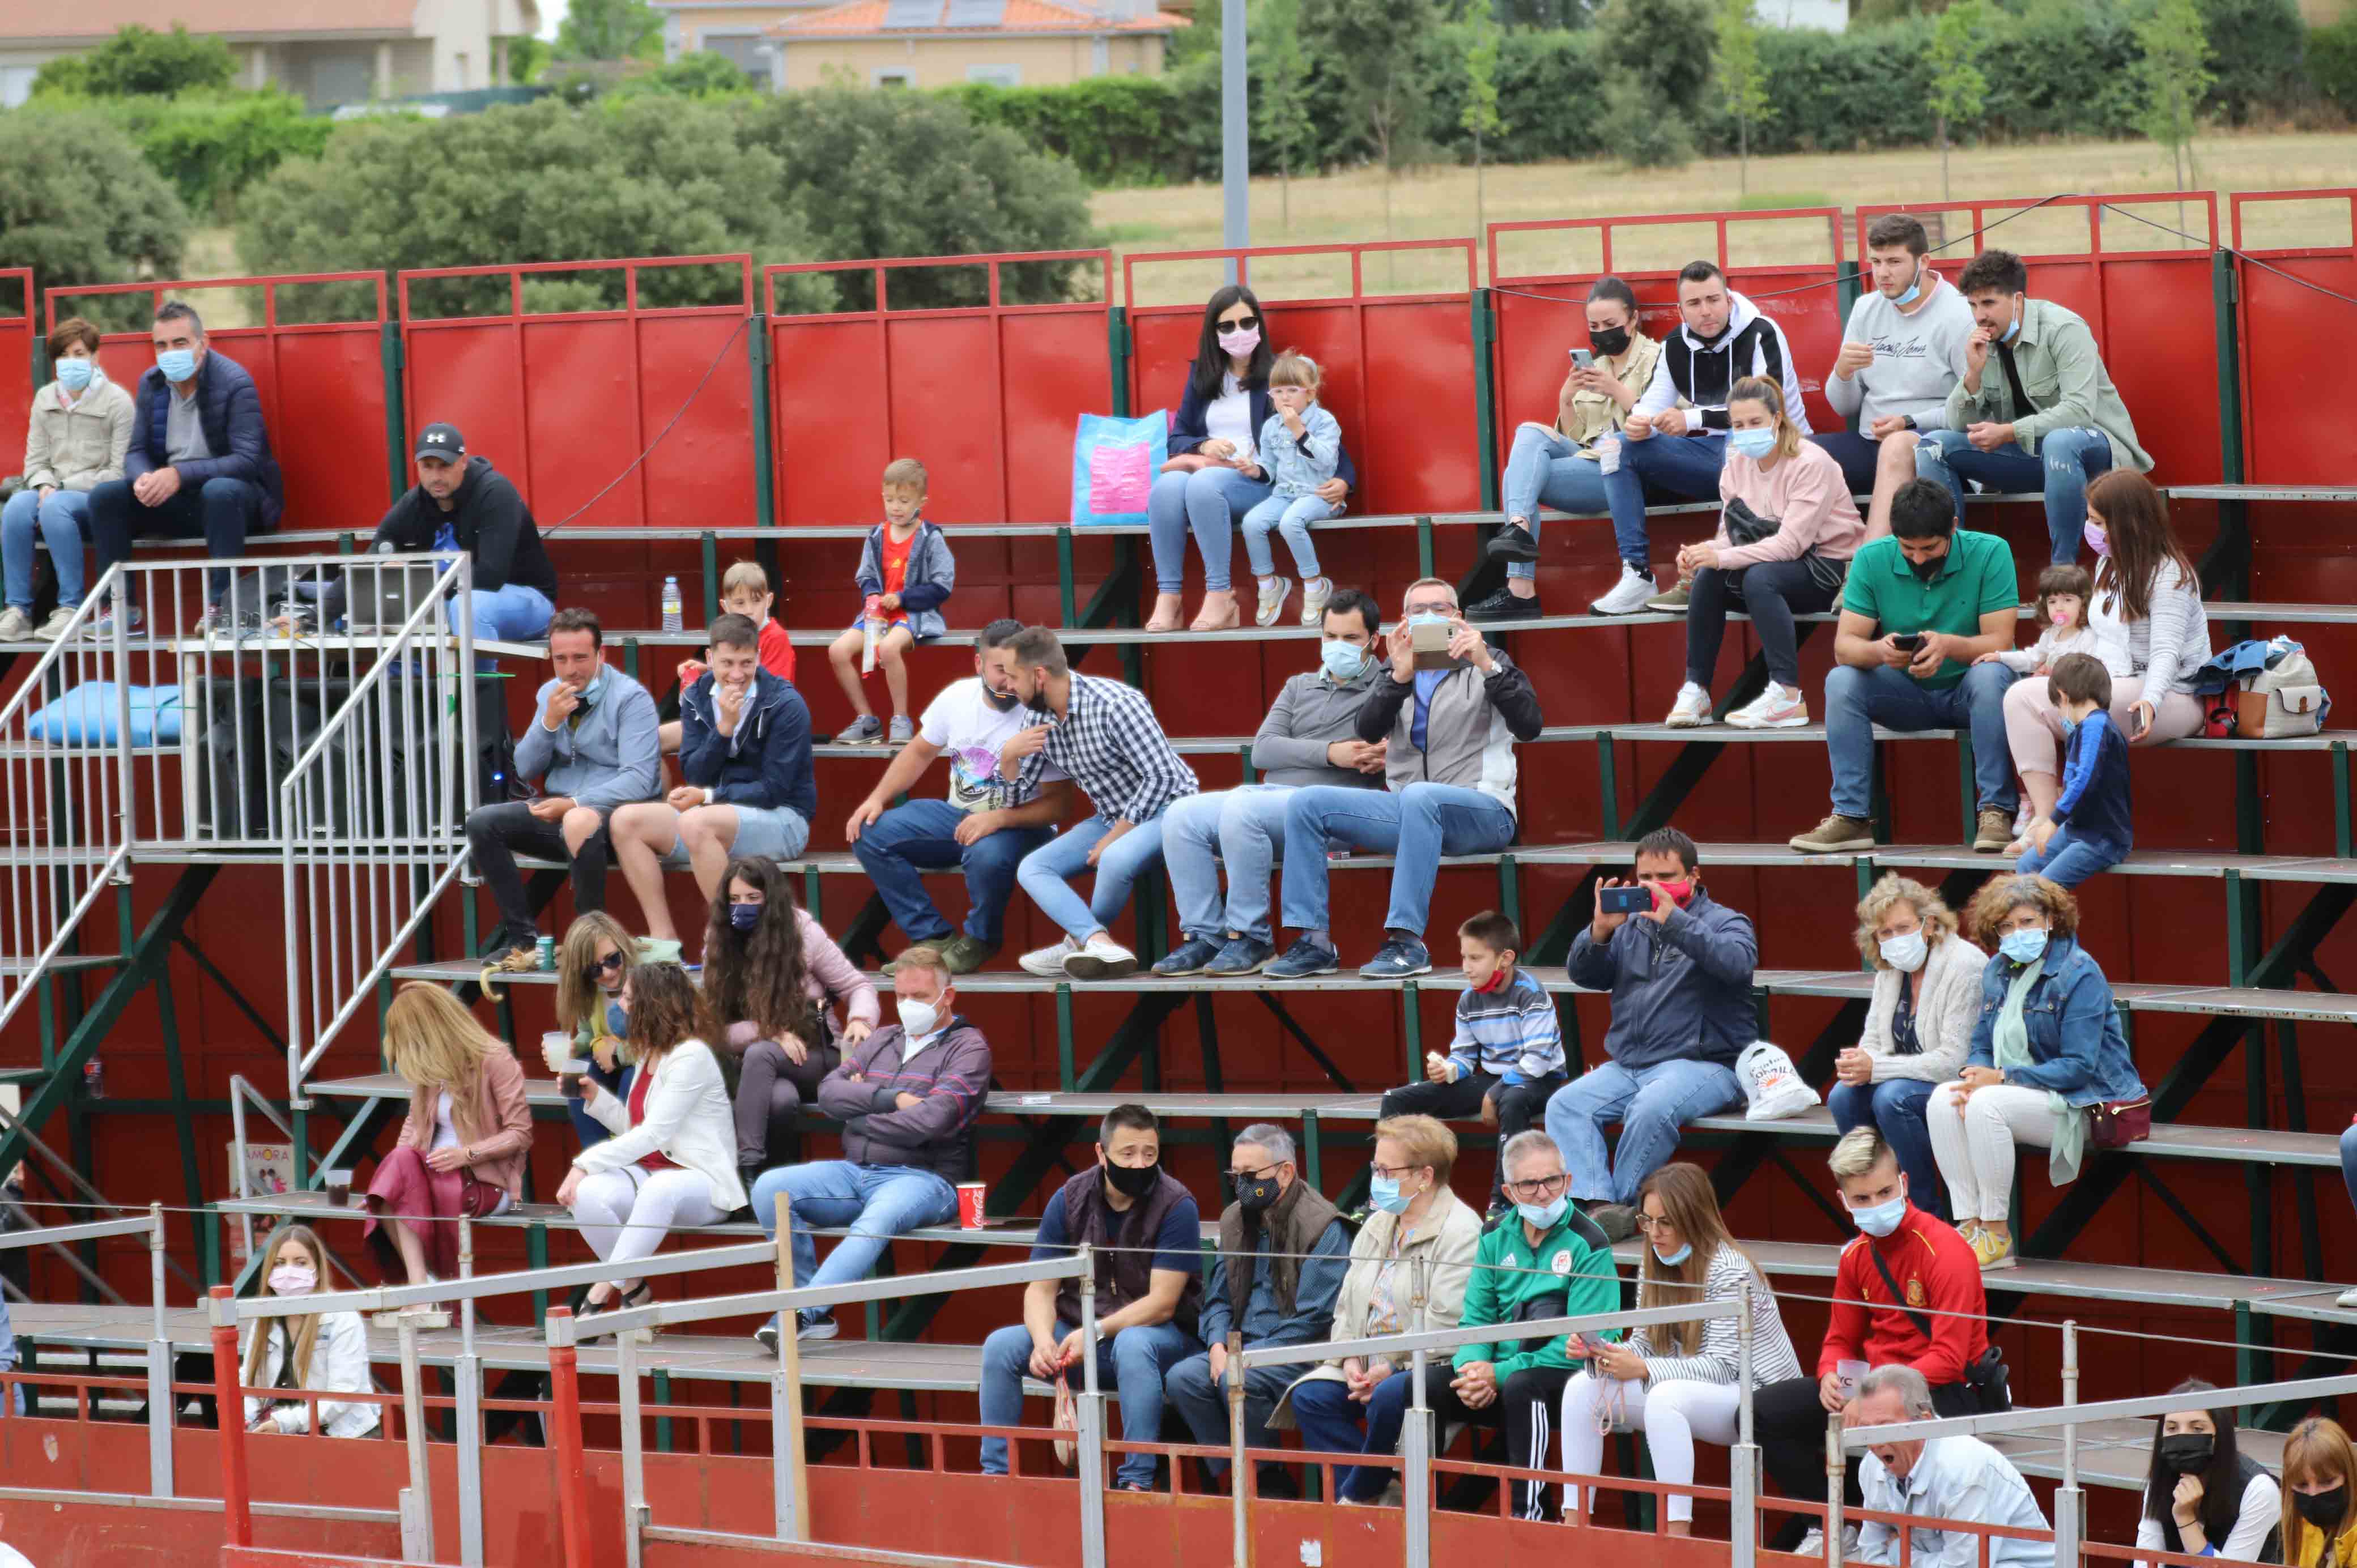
(327, 1351)
(1357, 1406)
(1919, 1025)
(1787, 528)
(1676, 1381)
(461, 1150)
(592, 967)
(2320, 1495)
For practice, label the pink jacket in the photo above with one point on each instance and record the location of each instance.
(1806, 492)
(494, 1123)
(832, 978)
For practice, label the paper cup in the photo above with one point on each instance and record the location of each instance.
(1851, 1373)
(555, 1047)
(969, 1196)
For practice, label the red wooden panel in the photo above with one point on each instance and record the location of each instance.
(17, 333)
(2290, 381)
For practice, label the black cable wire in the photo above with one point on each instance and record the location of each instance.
(709, 371)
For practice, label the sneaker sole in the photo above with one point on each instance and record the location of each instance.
(1599, 607)
(818, 1333)
(1269, 973)
(1238, 974)
(1794, 721)
(1658, 608)
(1372, 973)
(2005, 1262)
(1689, 721)
(1843, 846)
(1161, 973)
(1043, 970)
(1080, 967)
(1505, 549)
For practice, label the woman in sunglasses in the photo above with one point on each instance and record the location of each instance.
(1213, 475)
(592, 967)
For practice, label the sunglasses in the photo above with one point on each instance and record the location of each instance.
(1242, 324)
(612, 961)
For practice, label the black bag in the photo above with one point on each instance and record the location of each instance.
(1745, 526)
(1987, 1379)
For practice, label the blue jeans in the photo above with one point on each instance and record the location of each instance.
(1202, 1404)
(1545, 468)
(877, 1202)
(221, 512)
(1047, 873)
(1685, 467)
(1291, 518)
(63, 521)
(2071, 858)
(2066, 460)
(923, 835)
(1417, 826)
(1895, 1108)
(1651, 1103)
(1241, 827)
(1330, 1423)
(1134, 1360)
(1207, 502)
(514, 613)
(1857, 699)
(2349, 1161)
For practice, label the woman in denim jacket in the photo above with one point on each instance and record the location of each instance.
(2047, 1049)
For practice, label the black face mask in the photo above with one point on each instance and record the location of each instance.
(1003, 701)
(1254, 1194)
(2322, 1509)
(1132, 1181)
(1612, 342)
(1927, 570)
(2183, 1453)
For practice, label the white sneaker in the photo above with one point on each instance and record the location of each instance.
(16, 625)
(1102, 959)
(1814, 1543)
(1691, 710)
(1049, 961)
(1777, 707)
(1314, 594)
(60, 621)
(2348, 1301)
(1628, 595)
(1274, 592)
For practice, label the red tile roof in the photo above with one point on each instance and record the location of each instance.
(99, 18)
(860, 18)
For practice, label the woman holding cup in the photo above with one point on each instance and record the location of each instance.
(592, 967)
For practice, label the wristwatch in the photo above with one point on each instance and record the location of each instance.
(1908, 420)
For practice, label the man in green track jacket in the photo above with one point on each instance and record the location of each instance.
(1545, 1260)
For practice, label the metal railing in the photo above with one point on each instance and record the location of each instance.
(159, 1342)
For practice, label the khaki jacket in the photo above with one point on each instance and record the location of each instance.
(80, 448)
(1595, 413)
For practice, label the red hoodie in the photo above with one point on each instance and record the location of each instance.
(777, 649)
(1936, 1269)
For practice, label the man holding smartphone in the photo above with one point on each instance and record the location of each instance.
(1922, 604)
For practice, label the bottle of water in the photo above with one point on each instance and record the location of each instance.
(673, 613)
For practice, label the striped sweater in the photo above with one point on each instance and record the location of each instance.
(1772, 1357)
(1511, 1032)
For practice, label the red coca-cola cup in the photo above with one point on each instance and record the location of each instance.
(970, 1205)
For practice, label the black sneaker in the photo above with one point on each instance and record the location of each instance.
(1515, 543)
(1503, 606)
(1190, 957)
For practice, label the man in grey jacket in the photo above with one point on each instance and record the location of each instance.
(1679, 975)
(595, 739)
(1309, 737)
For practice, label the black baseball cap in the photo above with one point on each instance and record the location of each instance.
(443, 441)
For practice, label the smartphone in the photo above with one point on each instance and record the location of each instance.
(1589, 1344)
(1625, 900)
(1907, 643)
(2136, 723)
(1430, 642)
(1581, 359)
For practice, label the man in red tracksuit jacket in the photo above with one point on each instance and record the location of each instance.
(1939, 1282)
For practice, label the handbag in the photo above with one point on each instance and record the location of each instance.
(2116, 1124)
(1745, 526)
(1987, 1378)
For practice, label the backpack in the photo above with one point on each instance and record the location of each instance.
(2266, 691)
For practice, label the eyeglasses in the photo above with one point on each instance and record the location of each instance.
(612, 960)
(1242, 324)
(1533, 1191)
(1236, 1179)
(1649, 1224)
(1392, 1173)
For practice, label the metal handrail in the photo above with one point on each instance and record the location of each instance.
(1393, 1345)
(891, 1287)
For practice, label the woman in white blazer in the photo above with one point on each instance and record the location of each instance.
(672, 1162)
(1919, 1027)
(327, 1351)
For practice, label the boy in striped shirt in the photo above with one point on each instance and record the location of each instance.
(1507, 1056)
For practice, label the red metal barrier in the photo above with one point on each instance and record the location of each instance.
(1399, 370)
(16, 337)
(2150, 308)
(1541, 314)
(564, 401)
(321, 384)
(237, 1497)
(2292, 379)
(986, 396)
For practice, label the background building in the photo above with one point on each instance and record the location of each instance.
(940, 43)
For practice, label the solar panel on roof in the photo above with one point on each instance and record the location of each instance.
(899, 14)
(977, 13)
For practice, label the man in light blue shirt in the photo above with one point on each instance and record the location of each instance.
(1944, 1481)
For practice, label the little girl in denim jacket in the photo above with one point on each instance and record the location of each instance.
(1300, 447)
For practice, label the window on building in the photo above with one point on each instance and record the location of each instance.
(749, 52)
(16, 84)
(996, 75)
(896, 77)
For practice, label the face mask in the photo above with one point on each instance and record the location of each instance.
(2012, 327)
(594, 690)
(1882, 1219)
(1254, 1194)
(1753, 443)
(1240, 343)
(1342, 661)
(1927, 570)
(74, 374)
(745, 917)
(2070, 726)
(1385, 1193)
(1612, 342)
(293, 1279)
(178, 364)
(1003, 701)
(1914, 290)
(1672, 1259)
(1497, 982)
(1905, 954)
(1132, 1181)
(2183, 1453)
(918, 1019)
(2098, 537)
(2322, 1509)
(1543, 1216)
(1681, 892)
(2023, 946)
(1427, 617)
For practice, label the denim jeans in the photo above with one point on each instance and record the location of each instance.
(1203, 1404)
(1895, 1108)
(2349, 1161)
(2069, 858)
(1857, 700)
(1545, 468)
(1047, 872)
(1206, 502)
(514, 613)
(1136, 1361)
(877, 1202)
(1684, 466)
(63, 521)
(1417, 826)
(1330, 1422)
(921, 835)
(221, 512)
(1242, 827)
(1291, 518)
(2066, 460)
(1651, 1103)
(1771, 593)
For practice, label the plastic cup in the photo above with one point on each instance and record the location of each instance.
(339, 1189)
(969, 1197)
(555, 1050)
(1851, 1373)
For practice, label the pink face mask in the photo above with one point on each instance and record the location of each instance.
(1240, 342)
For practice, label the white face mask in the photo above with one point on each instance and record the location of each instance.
(1905, 953)
(917, 1019)
(294, 1279)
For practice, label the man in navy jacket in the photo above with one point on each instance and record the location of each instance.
(745, 748)
(200, 464)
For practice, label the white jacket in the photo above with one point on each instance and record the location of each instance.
(1947, 1007)
(340, 1363)
(688, 1121)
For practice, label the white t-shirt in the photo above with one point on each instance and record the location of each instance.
(446, 1130)
(966, 728)
(1229, 417)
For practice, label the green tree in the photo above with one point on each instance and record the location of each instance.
(77, 204)
(2172, 78)
(609, 30)
(1742, 83)
(139, 60)
(1958, 89)
(704, 74)
(1480, 114)
(1280, 93)
(1653, 95)
(527, 57)
(1372, 45)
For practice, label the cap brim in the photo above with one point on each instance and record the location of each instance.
(444, 453)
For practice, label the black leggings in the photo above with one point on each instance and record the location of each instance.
(1771, 593)
(770, 1091)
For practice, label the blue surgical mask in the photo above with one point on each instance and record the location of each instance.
(1753, 443)
(1672, 1259)
(2023, 946)
(2070, 726)
(74, 374)
(745, 917)
(2013, 330)
(1342, 661)
(178, 364)
(1384, 1191)
(1543, 1216)
(1882, 1219)
(1914, 290)
(1427, 617)
(1905, 954)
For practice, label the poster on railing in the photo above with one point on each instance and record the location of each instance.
(269, 1172)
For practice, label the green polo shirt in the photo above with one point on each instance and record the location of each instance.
(1975, 577)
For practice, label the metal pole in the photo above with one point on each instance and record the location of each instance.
(237, 1503)
(572, 1464)
(1743, 1460)
(1235, 135)
(2069, 1515)
(1092, 1422)
(159, 1368)
(1834, 1490)
(468, 1371)
(417, 1504)
(634, 1448)
(1415, 1451)
(788, 1476)
(1240, 1535)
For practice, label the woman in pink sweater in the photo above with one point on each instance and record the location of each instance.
(1786, 531)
